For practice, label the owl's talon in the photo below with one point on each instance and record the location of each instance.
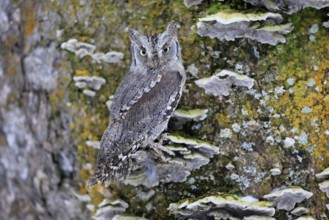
(159, 149)
(142, 104)
(163, 136)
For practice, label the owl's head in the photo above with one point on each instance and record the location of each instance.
(155, 50)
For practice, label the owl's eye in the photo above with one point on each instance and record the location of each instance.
(142, 52)
(166, 49)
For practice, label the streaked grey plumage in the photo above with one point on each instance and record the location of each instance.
(143, 102)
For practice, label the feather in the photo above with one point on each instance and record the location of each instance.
(142, 114)
(142, 104)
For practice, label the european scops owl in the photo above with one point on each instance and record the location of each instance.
(143, 102)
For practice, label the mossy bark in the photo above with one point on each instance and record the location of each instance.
(289, 76)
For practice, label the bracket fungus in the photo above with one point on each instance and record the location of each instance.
(192, 114)
(257, 217)
(82, 49)
(324, 187)
(228, 25)
(222, 207)
(290, 6)
(323, 174)
(124, 217)
(189, 3)
(326, 23)
(300, 211)
(286, 199)
(180, 157)
(108, 210)
(93, 144)
(305, 218)
(220, 83)
(93, 82)
(109, 57)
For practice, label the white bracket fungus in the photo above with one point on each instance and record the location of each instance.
(107, 210)
(286, 199)
(324, 187)
(220, 83)
(193, 114)
(91, 82)
(220, 206)
(82, 49)
(183, 155)
(189, 3)
(228, 25)
(290, 6)
(323, 174)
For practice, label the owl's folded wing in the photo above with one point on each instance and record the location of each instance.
(124, 136)
(153, 107)
(130, 90)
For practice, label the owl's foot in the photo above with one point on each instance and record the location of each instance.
(159, 149)
(163, 137)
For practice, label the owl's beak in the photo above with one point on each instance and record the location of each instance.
(155, 59)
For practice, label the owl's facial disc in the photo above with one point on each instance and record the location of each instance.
(153, 51)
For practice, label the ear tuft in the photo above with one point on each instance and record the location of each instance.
(134, 36)
(170, 33)
(171, 29)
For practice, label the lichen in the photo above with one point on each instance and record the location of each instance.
(286, 199)
(253, 115)
(220, 205)
(179, 158)
(220, 83)
(230, 25)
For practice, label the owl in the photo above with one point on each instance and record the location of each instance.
(143, 102)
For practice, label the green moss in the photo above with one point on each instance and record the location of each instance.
(215, 7)
(107, 23)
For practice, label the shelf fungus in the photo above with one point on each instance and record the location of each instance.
(220, 83)
(299, 211)
(265, 28)
(305, 218)
(174, 163)
(323, 174)
(90, 82)
(290, 6)
(324, 186)
(326, 23)
(125, 217)
(109, 57)
(192, 114)
(221, 206)
(189, 3)
(286, 199)
(93, 144)
(109, 209)
(82, 49)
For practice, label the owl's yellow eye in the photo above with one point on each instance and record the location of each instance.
(142, 52)
(166, 49)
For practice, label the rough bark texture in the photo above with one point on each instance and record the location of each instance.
(48, 123)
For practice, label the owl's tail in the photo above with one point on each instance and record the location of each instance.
(110, 172)
(112, 164)
(96, 178)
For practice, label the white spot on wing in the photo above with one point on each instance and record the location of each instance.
(159, 78)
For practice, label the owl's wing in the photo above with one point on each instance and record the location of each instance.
(130, 90)
(145, 112)
(153, 107)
